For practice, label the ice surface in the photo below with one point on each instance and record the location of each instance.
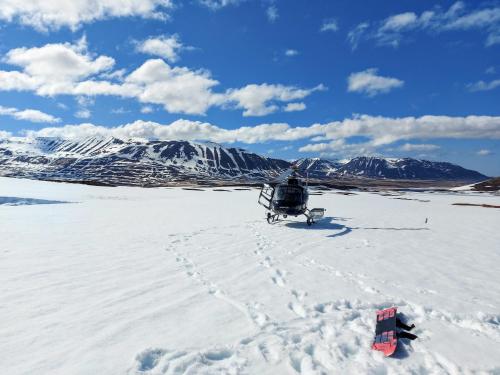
(171, 281)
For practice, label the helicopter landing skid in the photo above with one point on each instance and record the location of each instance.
(314, 214)
(272, 218)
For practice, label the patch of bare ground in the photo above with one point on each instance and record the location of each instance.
(476, 205)
(488, 185)
(413, 199)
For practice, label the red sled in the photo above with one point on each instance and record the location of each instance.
(386, 339)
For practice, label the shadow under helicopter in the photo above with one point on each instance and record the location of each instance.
(331, 223)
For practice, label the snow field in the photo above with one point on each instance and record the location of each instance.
(170, 281)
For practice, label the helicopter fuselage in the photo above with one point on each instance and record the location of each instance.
(289, 199)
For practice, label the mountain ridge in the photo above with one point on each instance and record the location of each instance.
(116, 161)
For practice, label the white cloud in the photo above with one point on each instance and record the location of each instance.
(410, 147)
(329, 25)
(15, 80)
(292, 107)
(484, 86)
(178, 89)
(164, 46)
(400, 22)
(120, 111)
(272, 13)
(147, 109)
(52, 69)
(115, 75)
(182, 129)
(355, 36)
(218, 4)
(370, 83)
(5, 135)
(70, 69)
(85, 101)
(83, 113)
(32, 115)
(484, 152)
(260, 100)
(490, 70)
(339, 147)
(291, 52)
(93, 88)
(63, 61)
(394, 28)
(379, 132)
(47, 15)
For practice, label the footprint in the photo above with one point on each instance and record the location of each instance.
(324, 308)
(272, 349)
(299, 294)
(148, 359)
(217, 355)
(298, 309)
(278, 280)
(258, 317)
(267, 262)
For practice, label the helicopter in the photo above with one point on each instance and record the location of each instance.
(288, 199)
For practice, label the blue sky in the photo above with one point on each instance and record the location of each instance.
(283, 78)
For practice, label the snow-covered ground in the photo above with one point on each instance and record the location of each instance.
(97, 280)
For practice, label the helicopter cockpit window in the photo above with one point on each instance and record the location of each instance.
(288, 193)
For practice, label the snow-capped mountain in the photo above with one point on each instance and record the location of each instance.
(132, 162)
(407, 168)
(318, 168)
(151, 163)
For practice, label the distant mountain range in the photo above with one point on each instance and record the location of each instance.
(117, 162)
(376, 167)
(152, 163)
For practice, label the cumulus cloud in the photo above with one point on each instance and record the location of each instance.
(164, 46)
(291, 52)
(65, 62)
(5, 135)
(53, 68)
(382, 131)
(378, 131)
(392, 30)
(329, 25)
(292, 107)
(339, 147)
(70, 69)
(178, 89)
(180, 129)
(368, 82)
(260, 100)
(54, 14)
(32, 115)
